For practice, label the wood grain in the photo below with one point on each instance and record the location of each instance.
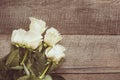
(75, 16)
(85, 53)
(91, 76)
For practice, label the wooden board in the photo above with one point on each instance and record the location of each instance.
(85, 53)
(91, 54)
(88, 57)
(91, 76)
(75, 16)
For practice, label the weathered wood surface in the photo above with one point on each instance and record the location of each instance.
(91, 76)
(85, 53)
(75, 16)
(88, 57)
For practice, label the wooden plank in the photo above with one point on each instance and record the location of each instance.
(91, 53)
(75, 16)
(85, 53)
(91, 76)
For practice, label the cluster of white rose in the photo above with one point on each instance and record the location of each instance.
(33, 39)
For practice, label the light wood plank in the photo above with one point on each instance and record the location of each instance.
(92, 50)
(91, 76)
(75, 16)
(85, 53)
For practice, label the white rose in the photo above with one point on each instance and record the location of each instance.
(37, 25)
(26, 39)
(52, 36)
(56, 53)
(17, 36)
(32, 40)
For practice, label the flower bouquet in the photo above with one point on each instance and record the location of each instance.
(34, 54)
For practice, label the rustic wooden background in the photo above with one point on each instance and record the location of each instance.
(93, 52)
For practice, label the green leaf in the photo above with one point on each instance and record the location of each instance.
(15, 61)
(38, 63)
(31, 77)
(56, 77)
(17, 67)
(56, 66)
(48, 77)
(13, 57)
(23, 78)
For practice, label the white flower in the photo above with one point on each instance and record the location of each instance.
(17, 36)
(26, 39)
(52, 36)
(37, 25)
(32, 40)
(56, 53)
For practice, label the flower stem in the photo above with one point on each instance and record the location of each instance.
(26, 69)
(24, 58)
(45, 71)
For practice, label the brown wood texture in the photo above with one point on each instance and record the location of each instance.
(91, 76)
(85, 53)
(88, 57)
(68, 16)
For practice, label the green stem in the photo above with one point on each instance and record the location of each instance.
(26, 70)
(24, 58)
(45, 71)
